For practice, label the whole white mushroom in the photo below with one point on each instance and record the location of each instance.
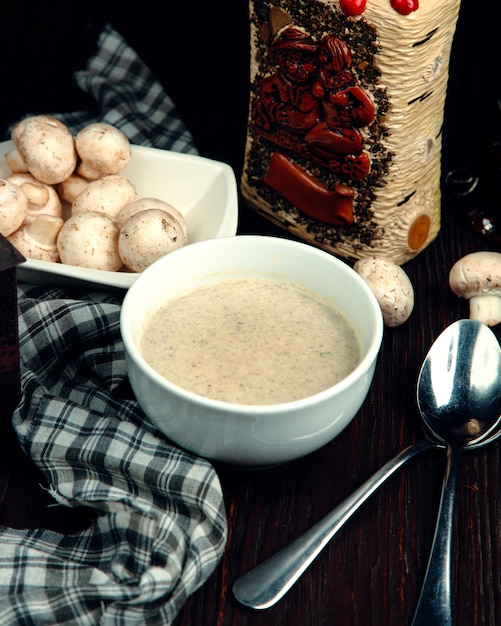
(142, 204)
(103, 149)
(477, 278)
(391, 286)
(108, 194)
(90, 240)
(148, 235)
(46, 146)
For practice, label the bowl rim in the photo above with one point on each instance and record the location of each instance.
(222, 406)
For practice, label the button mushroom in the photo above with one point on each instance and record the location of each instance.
(391, 286)
(90, 240)
(107, 195)
(103, 149)
(13, 207)
(42, 198)
(71, 187)
(37, 239)
(147, 236)
(46, 146)
(141, 204)
(477, 277)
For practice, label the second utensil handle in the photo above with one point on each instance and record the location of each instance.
(264, 585)
(435, 603)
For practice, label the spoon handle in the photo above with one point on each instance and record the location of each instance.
(434, 606)
(264, 585)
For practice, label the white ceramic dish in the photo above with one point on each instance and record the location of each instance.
(205, 191)
(251, 435)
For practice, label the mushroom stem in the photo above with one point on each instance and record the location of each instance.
(486, 308)
(45, 229)
(37, 240)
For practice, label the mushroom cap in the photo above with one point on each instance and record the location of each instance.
(148, 235)
(476, 274)
(90, 240)
(142, 204)
(391, 286)
(46, 146)
(71, 187)
(103, 149)
(13, 207)
(108, 194)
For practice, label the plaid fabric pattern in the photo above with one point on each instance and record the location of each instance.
(129, 97)
(160, 526)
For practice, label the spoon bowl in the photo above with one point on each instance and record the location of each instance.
(458, 390)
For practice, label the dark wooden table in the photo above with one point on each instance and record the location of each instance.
(371, 573)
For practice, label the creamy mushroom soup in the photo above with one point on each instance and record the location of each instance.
(250, 341)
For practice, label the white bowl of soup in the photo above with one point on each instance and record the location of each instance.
(250, 350)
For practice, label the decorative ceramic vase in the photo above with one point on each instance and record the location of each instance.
(345, 118)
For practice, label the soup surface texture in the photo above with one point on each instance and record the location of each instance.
(250, 341)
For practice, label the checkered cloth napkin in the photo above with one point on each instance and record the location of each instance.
(129, 97)
(160, 526)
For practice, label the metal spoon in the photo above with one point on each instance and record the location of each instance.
(459, 396)
(264, 585)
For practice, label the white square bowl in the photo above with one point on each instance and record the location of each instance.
(204, 190)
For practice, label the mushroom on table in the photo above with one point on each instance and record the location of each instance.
(391, 286)
(477, 278)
